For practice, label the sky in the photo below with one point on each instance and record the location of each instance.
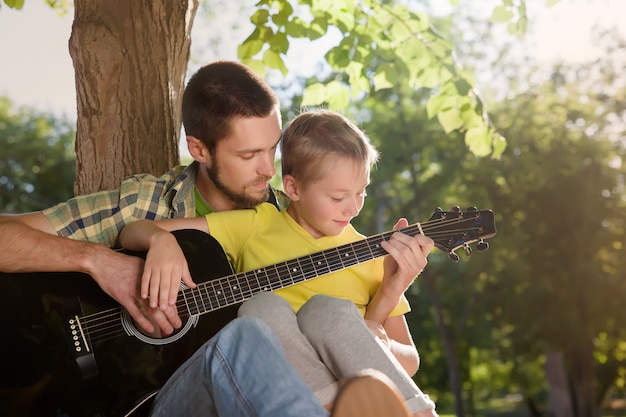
(36, 69)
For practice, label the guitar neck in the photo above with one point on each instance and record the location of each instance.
(233, 289)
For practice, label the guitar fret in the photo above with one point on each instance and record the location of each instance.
(375, 247)
(245, 287)
(219, 290)
(198, 299)
(347, 256)
(207, 297)
(264, 282)
(193, 306)
(294, 270)
(319, 263)
(307, 268)
(333, 258)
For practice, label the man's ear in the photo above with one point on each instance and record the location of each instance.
(198, 150)
(290, 186)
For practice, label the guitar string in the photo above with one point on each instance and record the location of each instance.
(233, 298)
(241, 292)
(105, 324)
(305, 269)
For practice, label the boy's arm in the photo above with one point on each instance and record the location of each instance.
(407, 258)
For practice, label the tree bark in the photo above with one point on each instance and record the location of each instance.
(559, 396)
(130, 60)
(583, 378)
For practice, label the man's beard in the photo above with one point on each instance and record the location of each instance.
(241, 200)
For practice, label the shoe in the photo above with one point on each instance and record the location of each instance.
(369, 394)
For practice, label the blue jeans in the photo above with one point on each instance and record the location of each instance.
(240, 372)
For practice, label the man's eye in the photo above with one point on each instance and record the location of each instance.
(247, 156)
(337, 200)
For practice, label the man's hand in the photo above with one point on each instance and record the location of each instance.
(30, 244)
(119, 275)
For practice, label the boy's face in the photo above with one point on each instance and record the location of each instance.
(326, 206)
(243, 163)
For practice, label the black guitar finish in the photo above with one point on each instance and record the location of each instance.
(41, 376)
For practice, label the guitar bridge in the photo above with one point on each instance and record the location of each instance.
(78, 342)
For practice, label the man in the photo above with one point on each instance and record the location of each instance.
(232, 122)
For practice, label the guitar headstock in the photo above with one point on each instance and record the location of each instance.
(454, 229)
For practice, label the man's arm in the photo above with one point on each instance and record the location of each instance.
(30, 244)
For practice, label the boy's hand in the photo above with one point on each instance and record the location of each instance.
(408, 257)
(164, 269)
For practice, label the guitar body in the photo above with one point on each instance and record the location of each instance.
(40, 375)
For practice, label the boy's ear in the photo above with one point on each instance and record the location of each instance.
(198, 150)
(290, 186)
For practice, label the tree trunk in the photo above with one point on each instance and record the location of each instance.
(560, 399)
(449, 346)
(582, 376)
(130, 60)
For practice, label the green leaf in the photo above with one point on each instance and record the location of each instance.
(274, 60)
(250, 48)
(450, 120)
(478, 140)
(337, 95)
(499, 145)
(317, 28)
(314, 95)
(280, 43)
(429, 77)
(462, 86)
(284, 14)
(381, 82)
(386, 76)
(260, 17)
(501, 14)
(256, 66)
(15, 4)
(437, 104)
(338, 58)
(296, 28)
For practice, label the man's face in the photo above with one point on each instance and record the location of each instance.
(243, 163)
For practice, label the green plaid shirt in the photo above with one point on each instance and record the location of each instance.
(99, 217)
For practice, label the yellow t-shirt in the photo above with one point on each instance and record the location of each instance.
(264, 236)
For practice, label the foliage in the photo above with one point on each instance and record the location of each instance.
(398, 41)
(37, 164)
(553, 277)
(61, 5)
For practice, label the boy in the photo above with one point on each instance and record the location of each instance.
(326, 164)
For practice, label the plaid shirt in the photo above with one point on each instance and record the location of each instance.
(100, 217)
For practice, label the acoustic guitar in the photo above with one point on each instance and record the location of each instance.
(68, 349)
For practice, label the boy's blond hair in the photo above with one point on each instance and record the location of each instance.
(312, 137)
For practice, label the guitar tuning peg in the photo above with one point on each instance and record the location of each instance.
(472, 208)
(468, 249)
(453, 257)
(455, 209)
(482, 245)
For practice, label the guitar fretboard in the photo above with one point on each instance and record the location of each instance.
(225, 291)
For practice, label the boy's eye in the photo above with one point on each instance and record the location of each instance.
(336, 200)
